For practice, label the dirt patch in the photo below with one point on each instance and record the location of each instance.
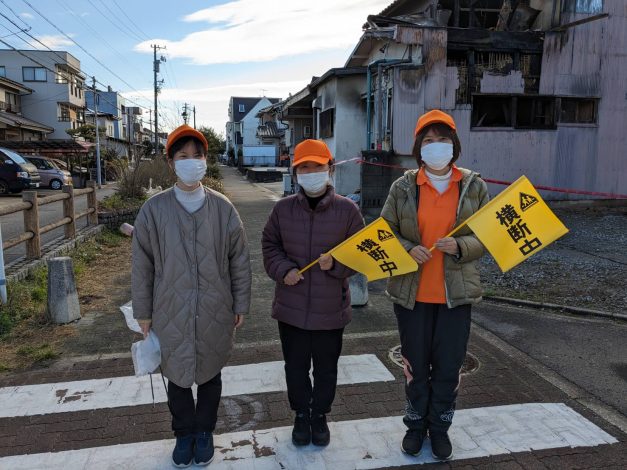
(585, 268)
(103, 284)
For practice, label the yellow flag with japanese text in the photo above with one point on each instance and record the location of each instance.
(516, 224)
(376, 252)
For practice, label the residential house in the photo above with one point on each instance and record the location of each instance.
(14, 126)
(241, 131)
(57, 83)
(297, 112)
(271, 132)
(340, 121)
(535, 88)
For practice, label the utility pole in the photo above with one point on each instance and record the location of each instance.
(129, 133)
(156, 64)
(194, 110)
(185, 114)
(98, 175)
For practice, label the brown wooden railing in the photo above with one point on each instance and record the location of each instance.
(30, 207)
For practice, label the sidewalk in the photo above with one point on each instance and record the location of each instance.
(254, 416)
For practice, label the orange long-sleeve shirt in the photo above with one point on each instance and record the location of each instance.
(436, 218)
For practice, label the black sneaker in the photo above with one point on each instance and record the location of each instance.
(441, 446)
(183, 453)
(203, 450)
(301, 434)
(320, 434)
(412, 442)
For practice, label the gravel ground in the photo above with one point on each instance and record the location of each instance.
(585, 268)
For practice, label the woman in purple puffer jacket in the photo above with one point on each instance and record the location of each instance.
(312, 308)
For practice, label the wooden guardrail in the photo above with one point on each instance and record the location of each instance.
(30, 207)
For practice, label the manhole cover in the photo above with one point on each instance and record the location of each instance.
(471, 363)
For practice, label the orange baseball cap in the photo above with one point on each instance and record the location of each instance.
(433, 117)
(311, 150)
(185, 131)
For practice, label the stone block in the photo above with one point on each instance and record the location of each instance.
(358, 285)
(63, 306)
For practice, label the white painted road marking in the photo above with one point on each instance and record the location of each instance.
(361, 444)
(29, 400)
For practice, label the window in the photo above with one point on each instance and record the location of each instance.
(519, 112)
(64, 113)
(306, 132)
(491, 111)
(583, 6)
(242, 108)
(34, 74)
(535, 113)
(578, 111)
(3, 71)
(327, 123)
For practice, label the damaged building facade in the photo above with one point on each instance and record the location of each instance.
(536, 88)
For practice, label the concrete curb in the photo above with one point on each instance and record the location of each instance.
(564, 308)
(20, 269)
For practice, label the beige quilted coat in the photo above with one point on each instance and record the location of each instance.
(191, 275)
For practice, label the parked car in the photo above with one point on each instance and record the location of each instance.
(51, 175)
(16, 174)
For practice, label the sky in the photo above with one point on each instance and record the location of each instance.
(213, 49)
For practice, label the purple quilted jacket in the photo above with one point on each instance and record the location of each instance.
(294, 236)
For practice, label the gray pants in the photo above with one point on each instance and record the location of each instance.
(434, 339)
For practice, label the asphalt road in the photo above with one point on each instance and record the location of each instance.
(590, 352)
(13, 225)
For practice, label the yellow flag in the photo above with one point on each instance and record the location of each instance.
(516, 224)
(376, 252)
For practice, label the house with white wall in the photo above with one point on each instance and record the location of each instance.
(241, 131)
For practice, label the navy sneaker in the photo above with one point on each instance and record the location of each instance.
(203, 452)
(183, 453)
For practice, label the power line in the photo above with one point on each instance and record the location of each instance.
(96, 33)
(54, 71)
(81, 47)
(131, 20)
(16, 15)
(113, 22)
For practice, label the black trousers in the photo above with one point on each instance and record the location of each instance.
(434, 339)
(189, 417)
(300, 348)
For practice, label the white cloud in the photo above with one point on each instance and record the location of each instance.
(212, 103)
(26, 15)
(55, 41)
(255, 31)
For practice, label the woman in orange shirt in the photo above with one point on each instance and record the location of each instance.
(432, 305)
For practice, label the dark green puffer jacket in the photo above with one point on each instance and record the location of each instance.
(461, 276)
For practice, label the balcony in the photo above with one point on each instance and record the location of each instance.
(12, 108)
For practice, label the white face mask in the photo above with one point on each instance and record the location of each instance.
(314, 184)
(437, 155)
(191, 170)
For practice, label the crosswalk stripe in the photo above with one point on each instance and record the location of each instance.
(360, 444)
(29, 400)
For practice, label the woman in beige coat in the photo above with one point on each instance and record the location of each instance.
(191, 285)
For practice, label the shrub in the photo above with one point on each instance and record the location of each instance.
(134, 181)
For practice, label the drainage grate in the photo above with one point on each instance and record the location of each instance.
(470, 365)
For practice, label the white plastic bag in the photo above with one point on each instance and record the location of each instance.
(127, 310)
(146, 355)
